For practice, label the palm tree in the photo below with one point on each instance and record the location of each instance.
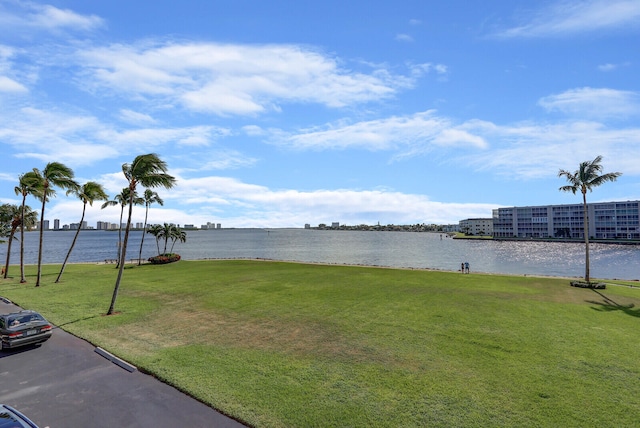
(13, 215)
(28, 186)
(178, 235)
(121, 199)
(586, 177)
(156, 230)
(149, 171)
(53, 175)
(167, 232)
(149, 198)
(89, 192)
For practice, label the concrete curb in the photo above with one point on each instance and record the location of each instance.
(109, 356)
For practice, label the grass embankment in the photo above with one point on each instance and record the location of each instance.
(294, 345)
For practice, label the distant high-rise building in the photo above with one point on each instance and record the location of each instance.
(45, 225)
(56, 224)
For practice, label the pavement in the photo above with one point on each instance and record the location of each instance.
(65, 383)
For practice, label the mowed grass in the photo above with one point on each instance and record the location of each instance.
(277, 344)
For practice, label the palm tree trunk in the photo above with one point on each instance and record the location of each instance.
(120, 237)
(123, 255)
(144, 230)
(22, 279)
(586, 237)
(6, 266)
(44, 201)
(73, 243)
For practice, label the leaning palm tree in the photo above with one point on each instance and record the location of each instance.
(178, 235)
(149, 171)
(89, 192)
(53, 175)
(15, 216)
(149, 198)
(586, 177)
(28, 186)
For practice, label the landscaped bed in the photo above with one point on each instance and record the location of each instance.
(297, 345)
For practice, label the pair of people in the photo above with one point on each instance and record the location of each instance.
(464, 267)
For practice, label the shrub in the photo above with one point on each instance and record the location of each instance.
(164, 258)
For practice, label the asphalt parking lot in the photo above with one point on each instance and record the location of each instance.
(64, 383)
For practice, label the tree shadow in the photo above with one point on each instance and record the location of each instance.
(78, 320)
(609, 305)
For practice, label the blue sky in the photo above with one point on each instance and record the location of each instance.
(281, 113)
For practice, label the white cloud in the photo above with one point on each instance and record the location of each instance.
(135, 118)
(259, 206)
(535, 150)
(20, 16)
(85, 140)
(10, 85)
(599, 103)
(611, 67)
(404, 38)
(413, 134)
(235, 79)
(577, 16)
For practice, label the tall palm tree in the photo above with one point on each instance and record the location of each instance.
(586, 177)
(53, 175)
(14, 215)
(149, 198)
(88, 193)
(28, 185)
(149, 171)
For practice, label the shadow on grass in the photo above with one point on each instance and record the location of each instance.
(78, 320)
(608, 305)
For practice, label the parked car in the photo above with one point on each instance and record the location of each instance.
(11, 418)
(23, 328)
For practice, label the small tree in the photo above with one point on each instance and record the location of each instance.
(28, 186)
(149, 198)
(586, 177)
(11, 216)
(121, 199)
(156, 231)
(89, 192)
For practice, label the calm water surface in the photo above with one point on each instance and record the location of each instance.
(394, 249)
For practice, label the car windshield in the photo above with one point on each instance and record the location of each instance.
(19, 319)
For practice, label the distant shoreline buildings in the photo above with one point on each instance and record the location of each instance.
(618, 220)
(105, 225)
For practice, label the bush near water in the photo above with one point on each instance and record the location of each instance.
(164, 258)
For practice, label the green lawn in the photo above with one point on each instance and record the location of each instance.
(297, 345)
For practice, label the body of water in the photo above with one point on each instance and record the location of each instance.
(393, 249)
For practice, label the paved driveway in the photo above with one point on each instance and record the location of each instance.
(64, 383)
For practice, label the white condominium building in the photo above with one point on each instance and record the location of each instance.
(607, 220)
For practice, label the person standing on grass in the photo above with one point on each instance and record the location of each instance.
(466, 267)
(462, 267)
